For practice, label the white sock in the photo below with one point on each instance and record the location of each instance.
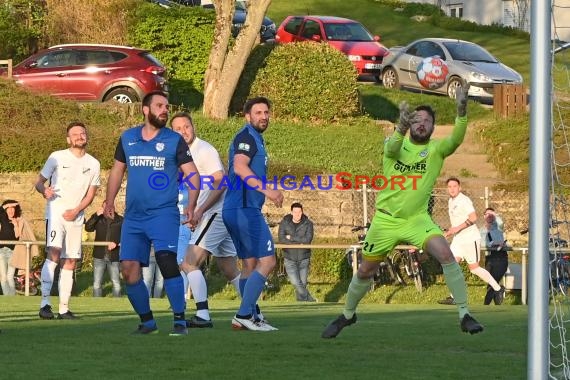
(185, 279)
(197, 283)
(486, 276)
(65, 285)
(48, 270)
(235, 283)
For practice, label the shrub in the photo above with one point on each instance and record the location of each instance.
(181, 39)
(20, 28)
(308, 81)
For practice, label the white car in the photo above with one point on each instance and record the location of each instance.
(466, 61)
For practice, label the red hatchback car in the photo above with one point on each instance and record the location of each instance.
(92, 72)
(348, 36)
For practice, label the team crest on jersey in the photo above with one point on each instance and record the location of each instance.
(188, 153)
(244, 146)
(159, 147)
(423, 153)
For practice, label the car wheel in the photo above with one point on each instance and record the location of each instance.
(122, 95)
(453, 86)
(390, 78)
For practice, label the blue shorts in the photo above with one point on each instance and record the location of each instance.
(184, 235)
(249, 232)
(137, 235)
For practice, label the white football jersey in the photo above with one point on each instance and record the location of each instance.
(207, 161)
(70, 177)
(459, 209)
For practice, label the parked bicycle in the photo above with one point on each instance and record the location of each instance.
(35, 282)
(408, 264)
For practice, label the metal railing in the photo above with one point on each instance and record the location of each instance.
(354, 247)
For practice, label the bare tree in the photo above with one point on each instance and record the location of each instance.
(226, 63)
(520, 14)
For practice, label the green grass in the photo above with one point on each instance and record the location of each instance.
(387, 342)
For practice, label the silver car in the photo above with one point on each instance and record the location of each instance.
(466, 60)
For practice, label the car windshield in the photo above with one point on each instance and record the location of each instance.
(461, 51)
(352, 31)
(241, 6)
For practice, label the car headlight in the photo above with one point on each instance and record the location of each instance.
(354, 57)
(480, 77)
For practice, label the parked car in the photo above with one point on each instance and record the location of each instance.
(466, 61)
(349, 36)
(268, 29)
(92, 72)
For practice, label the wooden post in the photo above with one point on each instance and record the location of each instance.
(7, 62)
(509, 100)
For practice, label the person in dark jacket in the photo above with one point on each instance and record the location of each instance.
(297, 228)
(105, 257)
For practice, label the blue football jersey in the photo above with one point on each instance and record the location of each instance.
(152, 170)
(247, 141)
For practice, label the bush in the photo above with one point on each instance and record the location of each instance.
(181, 38)
(307, 81)
(20, 28)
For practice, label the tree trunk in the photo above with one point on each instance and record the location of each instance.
(225, 67)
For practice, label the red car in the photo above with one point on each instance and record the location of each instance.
(348, 36)
(92, 72)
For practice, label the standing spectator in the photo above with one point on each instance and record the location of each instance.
(25, 232)
(211, 236)
(153, 156)
(152, 277)
(496, 258)
(297, 228)
(242, 212)
(402, 213)
(466, 241)
(9, 230)
(74, 178)
(105, 257)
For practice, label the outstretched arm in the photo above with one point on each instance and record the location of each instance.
(449, 144)
(394, 143)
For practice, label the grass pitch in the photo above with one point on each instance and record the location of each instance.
(388, 342)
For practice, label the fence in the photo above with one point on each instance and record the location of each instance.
(7, 62)
(344, 247)
(509, 100)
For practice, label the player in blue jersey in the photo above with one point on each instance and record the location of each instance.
(152, 156)
(242, 212)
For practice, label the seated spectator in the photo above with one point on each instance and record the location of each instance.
(297, 228)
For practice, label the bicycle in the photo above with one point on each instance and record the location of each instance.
(408, 261)
(386, 274)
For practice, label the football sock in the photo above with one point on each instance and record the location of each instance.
(241, 285)
(174, 288)
(235, 282)
(486, 276)
(356, 290)
(138, 296)
(48, 270)
(251, 292)
(456, 283)
(197, 283)
(65, 285)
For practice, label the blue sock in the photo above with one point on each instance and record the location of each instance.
(138, 296)
(251, 292)
(242, 282)
(174, 288)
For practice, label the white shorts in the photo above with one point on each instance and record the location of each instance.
(65, 235)
(468, 250)
(212, 235)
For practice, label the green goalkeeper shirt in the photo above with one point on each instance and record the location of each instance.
(412, 169)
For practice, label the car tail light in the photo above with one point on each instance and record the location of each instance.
(156, 70)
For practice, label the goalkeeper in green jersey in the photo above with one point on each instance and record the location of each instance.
(401, 211)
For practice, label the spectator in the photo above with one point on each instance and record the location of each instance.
(496, 257)
(105, 257)
(23, 232)
(297, 228)
(9, 230)
(152, 277)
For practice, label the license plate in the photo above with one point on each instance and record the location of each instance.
(373, 66)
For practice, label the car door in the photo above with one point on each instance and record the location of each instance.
(310, 30)
(291, 30)
(424, 49)
(47, 72)
(93, 71)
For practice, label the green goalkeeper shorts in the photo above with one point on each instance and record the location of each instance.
(386, 232)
